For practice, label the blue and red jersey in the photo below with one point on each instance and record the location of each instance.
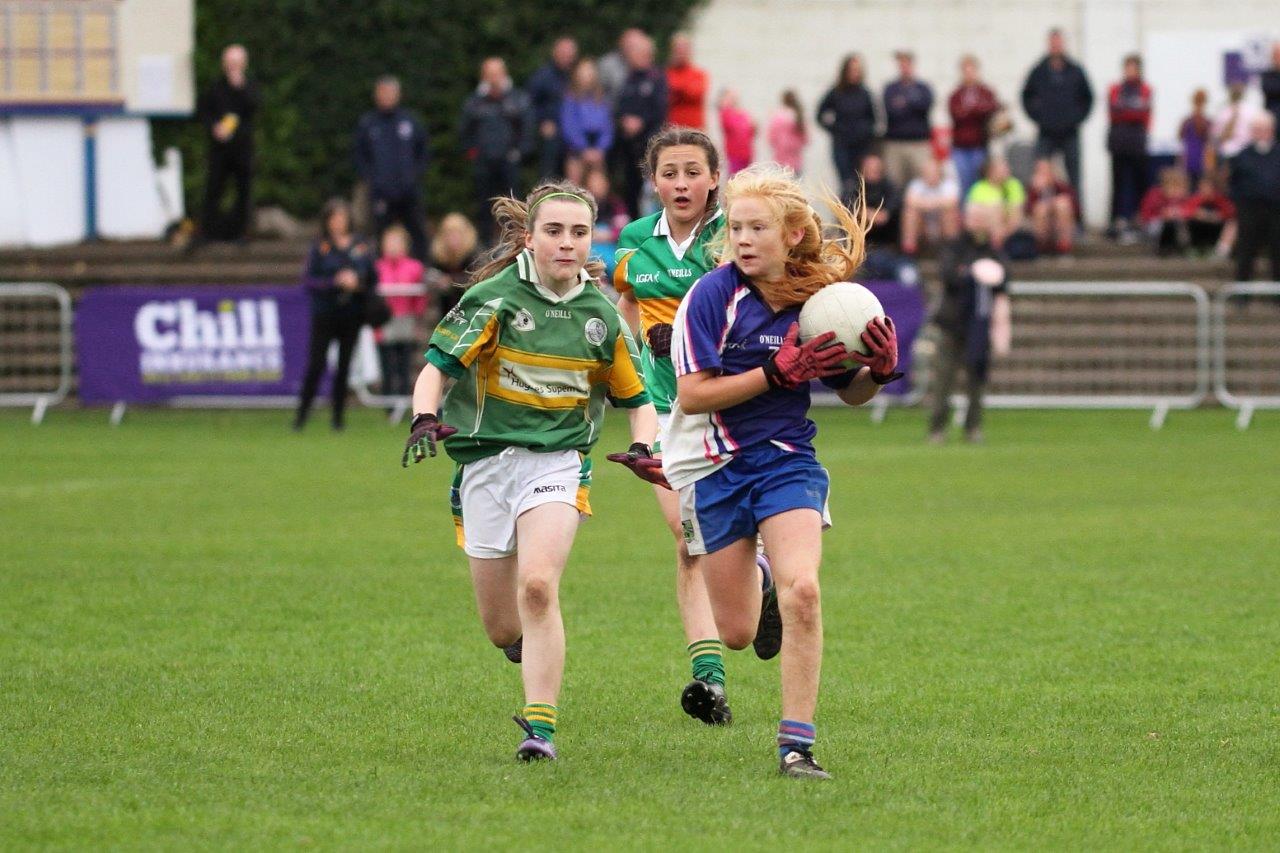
(725, 326)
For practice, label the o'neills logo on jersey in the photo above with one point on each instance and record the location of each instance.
(240, 341)
(682, 272)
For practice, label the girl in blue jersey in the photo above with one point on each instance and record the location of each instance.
(740, 445)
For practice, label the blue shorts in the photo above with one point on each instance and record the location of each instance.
(761, 481)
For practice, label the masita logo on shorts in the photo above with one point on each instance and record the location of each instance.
(595, 331)
(523, 321)
(549, 489)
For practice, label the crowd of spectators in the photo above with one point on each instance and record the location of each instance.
(589, 119)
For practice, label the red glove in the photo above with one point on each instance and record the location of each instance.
(641, 462)
(794, 364)
(881, 338)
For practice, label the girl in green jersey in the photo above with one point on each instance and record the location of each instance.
(659, 259)
(524, 364)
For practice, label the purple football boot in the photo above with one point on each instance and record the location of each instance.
(533, 747)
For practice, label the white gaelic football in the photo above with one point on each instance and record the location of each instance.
(844, 308)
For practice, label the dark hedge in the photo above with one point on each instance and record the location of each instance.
(316, 61)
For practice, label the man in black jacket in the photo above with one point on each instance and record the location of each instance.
(391, 157)
(497, 133)
(1255, 189)
(1057, 96)
(1269, 82)
(546, 89)
(642, 110)
(226, 110)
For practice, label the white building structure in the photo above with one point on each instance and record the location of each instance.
(761, 47)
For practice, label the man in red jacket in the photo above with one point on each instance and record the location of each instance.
(1129, 103)
(686, 85)
(971, 105)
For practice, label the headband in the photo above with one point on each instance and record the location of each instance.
(573, 196)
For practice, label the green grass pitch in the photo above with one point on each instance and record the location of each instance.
(217, 634)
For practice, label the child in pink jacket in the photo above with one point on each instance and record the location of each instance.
(786, 134)
(400, 282)
(739, 132)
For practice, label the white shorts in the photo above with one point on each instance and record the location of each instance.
(664, 423)
(490, 494)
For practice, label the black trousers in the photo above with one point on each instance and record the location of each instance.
(396, 358)
(950, 361)
(627, 152)
(493, 178)
(1128, 185)
(1259, 224)
(235, 162)
(406, 210)
(848, 157)
(341, 325)
(1068, 146)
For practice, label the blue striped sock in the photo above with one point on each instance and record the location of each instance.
(793, 735)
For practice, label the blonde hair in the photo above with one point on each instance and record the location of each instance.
(819, 258)
(515, 220)
(442, 253)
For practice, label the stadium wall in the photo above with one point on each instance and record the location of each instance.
(761, 47)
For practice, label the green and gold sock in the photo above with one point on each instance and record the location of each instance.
(707, 657)
(541, 718)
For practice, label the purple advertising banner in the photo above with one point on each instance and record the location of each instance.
(150, 344)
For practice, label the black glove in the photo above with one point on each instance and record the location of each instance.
(424, 431)
(660, 340)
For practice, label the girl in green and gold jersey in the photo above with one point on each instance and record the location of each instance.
(523, 366)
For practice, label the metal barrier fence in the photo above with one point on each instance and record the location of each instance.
(35, 325)
(1106, 345)
(1246, 348)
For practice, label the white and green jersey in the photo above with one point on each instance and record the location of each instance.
(533, 369)
(658, 272)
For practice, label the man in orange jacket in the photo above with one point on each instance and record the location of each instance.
(687, 86)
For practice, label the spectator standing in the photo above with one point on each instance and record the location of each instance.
(400, 283)
(739, 130)
(613, 66)
(847, 112)
(686, 86)
(907, 134)
(881, 196)
(787, 134)
(1051, 205)
(1255, 190)
(972, 106)
(996, 203)
(497, 133)
(1269, 81)
(974, 320)
(931, 211)
(1129, 109)
(1231, 132)
(391, 158)
(546, 90)
(454, 252)
(585, 121)
(227, 110)
(339, 276)
(642, 110)
(1194, 136)
(1058, 98)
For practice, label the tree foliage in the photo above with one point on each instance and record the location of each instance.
(316, 61)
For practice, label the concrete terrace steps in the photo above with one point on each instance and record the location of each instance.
(280, 262)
